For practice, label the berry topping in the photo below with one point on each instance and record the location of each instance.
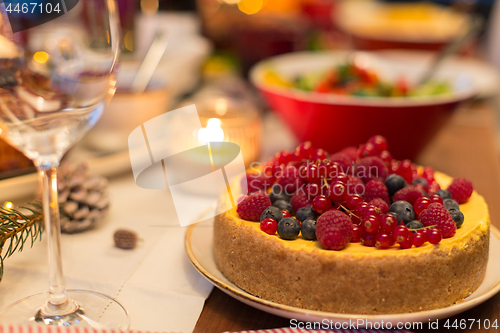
(388, 222)
(258, 181)
(410, 194)
(401, 234)
(434, 236)
(352, 201)
(444, 194)
(269, 226)
(437, 215)
(457, 216)
(321, 204)
(404, 211)
(394, 183)
(368, 239)
(371, 168)
(344, 161)
(286, 213)
(338, 191)
(278, 193)
(351, 152)
(283, 205)
(451, 204)
(334, 230)
(418, 239)
(461, 189)
(378, 142)
(380, 204)
(289, 179)
(253, 205)
(436, 198)
(306, 213)
(376, 189)
(420, 204)
(415, 224)
(288, 228)
(355, 185)
(357, 231)
(271, 212)
(383, 240)
(299, 200)
(370, 224)
(308, 229)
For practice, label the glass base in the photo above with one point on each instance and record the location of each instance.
(87, 309)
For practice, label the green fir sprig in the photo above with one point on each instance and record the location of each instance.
(17, 229)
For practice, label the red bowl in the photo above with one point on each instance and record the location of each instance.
(333, 122)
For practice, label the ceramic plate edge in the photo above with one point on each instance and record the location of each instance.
(304, 314)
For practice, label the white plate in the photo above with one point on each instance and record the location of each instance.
(199, 247)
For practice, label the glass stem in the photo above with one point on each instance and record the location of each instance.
(57, 302)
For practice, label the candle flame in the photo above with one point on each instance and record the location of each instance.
(212, 133)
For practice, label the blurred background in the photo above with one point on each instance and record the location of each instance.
(203, 52)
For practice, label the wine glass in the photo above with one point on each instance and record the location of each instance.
(55, 79)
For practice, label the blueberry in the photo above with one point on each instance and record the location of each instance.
(308, 229)
(415, 224)
(277, 193)
(396, 216)
(450, 203)
(404, 210)
(282, 204)
(288, 228)
(272, 212)
(444, 194)
(420, 181)
(306, 213)
(457, 216)
(394, 183)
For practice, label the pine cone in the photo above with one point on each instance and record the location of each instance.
(83, 198)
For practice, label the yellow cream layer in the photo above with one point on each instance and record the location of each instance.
(475, 225)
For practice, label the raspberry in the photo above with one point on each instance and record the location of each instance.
(289, 180)
(352, 152)
(355, 185)
(299, 200)
(253, 205)
(371, 168)
(376, 189)
(334, 230)
(409, 194)
(460, 189)
(344, 161)
(380, 204)
(437, 215)
(258, 181)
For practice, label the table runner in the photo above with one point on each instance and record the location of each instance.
(155, 282)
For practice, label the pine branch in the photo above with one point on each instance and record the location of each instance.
(16, 228)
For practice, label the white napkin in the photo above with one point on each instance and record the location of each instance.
(155, 282)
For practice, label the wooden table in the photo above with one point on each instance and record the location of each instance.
(466, 147)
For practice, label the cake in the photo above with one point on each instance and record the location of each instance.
(357, 279)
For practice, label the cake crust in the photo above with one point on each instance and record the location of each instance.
(358, 279)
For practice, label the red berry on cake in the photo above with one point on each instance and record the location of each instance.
(409, 194)
(355, 185)
(379, 142)
(269, 226)
(380, 204)
(321, 204)
(253, 205)
(383, 240)
(434, 236)
(344, 161)
(334, 230)
(371, 168)
(357, 231)
(420, 204)
(437, 215)
(299, 199)
(338, 191)
(461, 189)
(289, 179)
(376, 189)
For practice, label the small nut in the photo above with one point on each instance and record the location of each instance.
(125, 239)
